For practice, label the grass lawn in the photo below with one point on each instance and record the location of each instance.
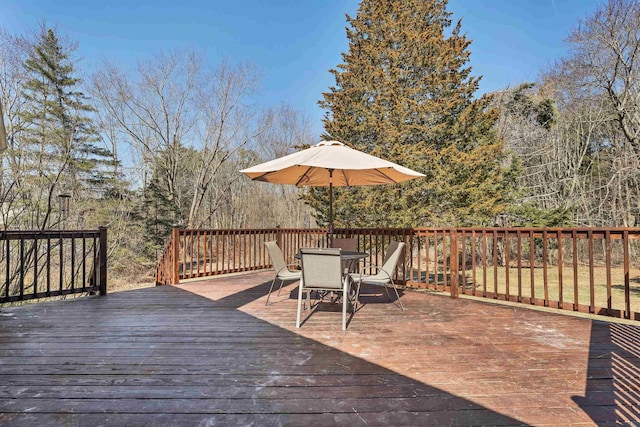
(520, 284)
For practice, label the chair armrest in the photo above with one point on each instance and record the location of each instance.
(377, 269)
(286, 267)
(368, 265)
(363, 262)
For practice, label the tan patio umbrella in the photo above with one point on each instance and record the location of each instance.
(330, 164)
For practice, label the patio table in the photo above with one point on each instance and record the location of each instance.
(348, 256)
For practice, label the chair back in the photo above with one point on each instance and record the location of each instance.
(391, 258)
(345, 244)
(277, 258)
(321, 268)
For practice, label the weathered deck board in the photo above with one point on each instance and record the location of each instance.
(210, 352)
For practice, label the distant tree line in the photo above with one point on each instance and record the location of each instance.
(575, 133)
(144, 149)
(139, 151)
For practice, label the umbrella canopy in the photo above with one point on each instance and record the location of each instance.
(329, 164)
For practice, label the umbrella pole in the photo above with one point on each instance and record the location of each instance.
(330, 206)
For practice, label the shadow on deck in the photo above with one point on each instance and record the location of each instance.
(210, 352)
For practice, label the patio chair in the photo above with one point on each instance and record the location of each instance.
(281, 268)
(346, 245)
(384, 275)
(322, 272)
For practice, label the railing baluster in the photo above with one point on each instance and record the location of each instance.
(507, 261)
(184, 253)
(453, 239)
(592, 288)
(61, 267)
(627, 287)
(21, 267)
(102, 261)
(34, 251)
(576, 302)
(198, 236)
(463, 250)
(426, 261)
(519, 251)
(445, 267)
(560, 262)
(84, 262)
(544, 268)
(8, 267)
(532, 266)
(225, 262)
(495, 264)
(608, 268)
(436, 276)
(484, 263)
(73, 264)
(473, 261)
(95, 263)
(205, 242)
(48, 266)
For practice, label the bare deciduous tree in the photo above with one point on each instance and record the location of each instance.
(604, 60)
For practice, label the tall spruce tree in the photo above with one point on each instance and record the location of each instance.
(405, 93)
(58, 138)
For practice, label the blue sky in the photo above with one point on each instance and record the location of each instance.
(294, 42)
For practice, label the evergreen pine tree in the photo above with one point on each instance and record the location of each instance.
(405, 92)
(58, 139)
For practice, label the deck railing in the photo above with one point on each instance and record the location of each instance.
(580, 269)
(40, 264)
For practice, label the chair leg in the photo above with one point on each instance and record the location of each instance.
(345, 303)
(300, 290)
(271, 289)
(397, 296)
(357, 298)
(280, 288)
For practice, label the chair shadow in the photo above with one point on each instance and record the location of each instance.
(319, 303)
(613, 375)
(369, 294)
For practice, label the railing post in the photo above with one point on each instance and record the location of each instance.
(453, 265)
(102, 259)
(175, 242)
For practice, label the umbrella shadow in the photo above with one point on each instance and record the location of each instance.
(168, 356)
(406, 401)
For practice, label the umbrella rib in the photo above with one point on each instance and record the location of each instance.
(260, 177)
(344, 175)
(297, 184)
(387, 176)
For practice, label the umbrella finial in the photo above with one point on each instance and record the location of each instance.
(328, 143)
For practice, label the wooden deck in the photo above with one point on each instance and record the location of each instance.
(211, 353)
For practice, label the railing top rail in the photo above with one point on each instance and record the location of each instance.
(39, 234)
(634, 230)
(293, 230)
(253, 230)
